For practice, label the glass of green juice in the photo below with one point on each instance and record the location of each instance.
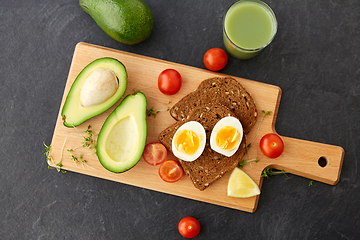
(249, 26)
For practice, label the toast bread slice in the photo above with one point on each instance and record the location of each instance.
(226, 91)
(210, 166)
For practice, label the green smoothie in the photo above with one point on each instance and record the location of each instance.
(249, 26)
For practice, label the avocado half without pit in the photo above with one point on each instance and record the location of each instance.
(97, 88)
(121, 140)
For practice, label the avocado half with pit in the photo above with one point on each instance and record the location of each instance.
(121, 140)
(97, 88)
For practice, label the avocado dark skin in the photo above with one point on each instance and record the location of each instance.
(126, 21)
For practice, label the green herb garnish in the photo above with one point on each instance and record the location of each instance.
(265, 113)
(269, 172)
(247, 148)
(152, 112)
(167, 105)
(47, 153)
(89, 140)
(243, 162)
(50, 160)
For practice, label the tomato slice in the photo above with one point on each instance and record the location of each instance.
(215, 59)
(154, 153)
(169, 81)
(170, 171)
(271, 145)
(189, 227)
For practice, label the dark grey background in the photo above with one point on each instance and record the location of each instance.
(314, 58)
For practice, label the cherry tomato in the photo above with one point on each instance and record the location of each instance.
(215, 59)
(169, 81)
(271, 145)
(170, 171)
(189, 227)
(154, 153)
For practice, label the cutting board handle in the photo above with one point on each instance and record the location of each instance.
(316, 161)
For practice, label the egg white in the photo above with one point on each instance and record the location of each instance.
(199, 130)
(226, 121)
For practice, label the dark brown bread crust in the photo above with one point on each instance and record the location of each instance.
(225, 91)
(210, 166)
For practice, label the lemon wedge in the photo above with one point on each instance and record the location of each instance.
(240, 185)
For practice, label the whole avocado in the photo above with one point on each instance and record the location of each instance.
(126, 21)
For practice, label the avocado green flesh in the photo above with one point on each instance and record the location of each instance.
(120, 144)
(126, 21)
(73, 113)
(122, 138)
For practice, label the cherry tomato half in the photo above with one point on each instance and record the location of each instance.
(154, 153)
(169, 81)
(170, 171)
(189, 227)
(215, 59)
(271, 145)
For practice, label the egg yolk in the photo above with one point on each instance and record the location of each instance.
(187, 142)
(227, 138)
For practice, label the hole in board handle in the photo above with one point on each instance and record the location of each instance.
(322, 162)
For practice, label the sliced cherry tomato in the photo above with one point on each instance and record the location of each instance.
(271, 145)
(215, 59)
(169, 81)
(170, 171)
(154, 153)
(189, 227)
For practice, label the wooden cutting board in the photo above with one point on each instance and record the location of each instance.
(299, 157)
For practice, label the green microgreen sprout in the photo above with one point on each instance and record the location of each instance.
(311, 183)
(247, 148)
(152, 112)
(89, 142)
(89, 138)
(75, 159)
(167, 105)
(79, 160)
(47, 153)
(50, 160)
(265, 113)
(269, 172)
(243, 162)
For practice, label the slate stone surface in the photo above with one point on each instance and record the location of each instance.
(314, 58)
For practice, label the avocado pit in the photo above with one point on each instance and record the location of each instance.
(99, 86)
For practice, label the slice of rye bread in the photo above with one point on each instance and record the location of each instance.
(226, 91)
(210, 166)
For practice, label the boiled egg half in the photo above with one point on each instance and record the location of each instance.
(189, 141)
(226, 136)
